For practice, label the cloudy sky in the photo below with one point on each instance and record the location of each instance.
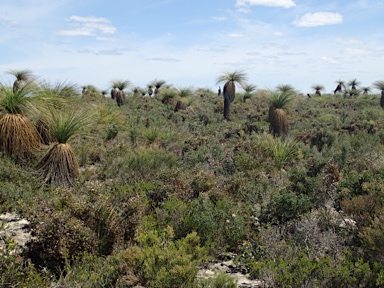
(192, 42)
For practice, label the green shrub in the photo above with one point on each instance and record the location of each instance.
(286, 205)
(220, 280)
(219, 224)
(161, 262)
(17, 271)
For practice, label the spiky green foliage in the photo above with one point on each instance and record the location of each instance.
(120, 84)
(238, 77)
(353, 83)
(14, 101)
(286, 89)
(280, 100)
(66, 123)
(249, 90)
(379, 84)
(60, 89)
(185, 91)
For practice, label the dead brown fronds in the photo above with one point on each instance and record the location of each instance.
(44, 132)
(279, 122)
(59, 166)
(18, 136)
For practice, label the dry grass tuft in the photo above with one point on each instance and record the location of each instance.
(18, 136)
(59, 166)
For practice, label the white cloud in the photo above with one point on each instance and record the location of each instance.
(271, 3)
(219, 18)
(235, 35)
(357, 52)
(330, 60)
(88, 26)
(348, 41)
(318, 19)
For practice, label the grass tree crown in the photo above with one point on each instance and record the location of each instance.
(280, 99)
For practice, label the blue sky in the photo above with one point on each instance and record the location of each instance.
(192, 42)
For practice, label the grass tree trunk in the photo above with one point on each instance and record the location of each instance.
(227, 109)
(382, 99)
(229, 95)
(120, 98)
(279, 123)
(113, 93)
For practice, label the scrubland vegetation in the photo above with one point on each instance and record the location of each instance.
(136, 192)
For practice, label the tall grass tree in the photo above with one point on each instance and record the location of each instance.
(231, 79)
(340, 86)
(379, 84)
(18, 136)
(120, 86)
(59, 166)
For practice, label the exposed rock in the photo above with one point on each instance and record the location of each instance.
(225, 265)
(14, 228)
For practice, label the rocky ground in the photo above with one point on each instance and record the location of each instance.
(225, 264)
(18, 229)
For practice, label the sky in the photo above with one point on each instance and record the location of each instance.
(190, 43)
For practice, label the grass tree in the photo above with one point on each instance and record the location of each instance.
(318, 88)
(366, 89)
(278, 117)
(353, 84)
(150, 89)
(137, 91)
(158, 84)
(249, 90)
(52, 96)
(59, 167)
(185, 91)
(18, 136)
(120, 86)
(22, 77)
(340, 86)
(379, 84)
(286, 88)
(229, 90)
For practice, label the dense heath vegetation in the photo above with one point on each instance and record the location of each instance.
(144, 190)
